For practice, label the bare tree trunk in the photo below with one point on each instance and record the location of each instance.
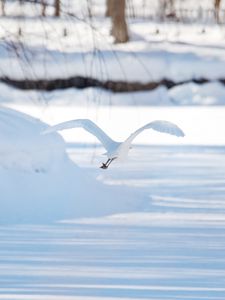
(167, 9)
(172, 11)
(89, 8)
(162, 9)
(172, 6)
(21, 2)
(217, 10)
(132, 9)
(109, 7)
(57, 8)
(119, 25)
(3, 7)
(43, 9)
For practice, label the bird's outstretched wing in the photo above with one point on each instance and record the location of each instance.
(161, 126)
(87, 125)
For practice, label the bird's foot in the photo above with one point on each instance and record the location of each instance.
(104, 166)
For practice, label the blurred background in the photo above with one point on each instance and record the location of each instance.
(115, 60)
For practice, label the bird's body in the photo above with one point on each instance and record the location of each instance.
(115, 150)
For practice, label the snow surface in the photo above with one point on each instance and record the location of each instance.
(173, 251)
(189, 94)
(22, 146)
(144, 66)
(195, 94)
(178, 52)
(39, 183)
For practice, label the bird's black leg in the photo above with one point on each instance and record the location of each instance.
(104, 165)
(111, 160)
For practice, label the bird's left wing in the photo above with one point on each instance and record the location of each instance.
(161, 126)
(86, 124)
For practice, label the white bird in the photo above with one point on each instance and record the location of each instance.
(115, 150)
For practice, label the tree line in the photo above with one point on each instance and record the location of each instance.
(116, 10)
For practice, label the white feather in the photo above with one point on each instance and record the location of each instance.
(160, 126)
(89, 126)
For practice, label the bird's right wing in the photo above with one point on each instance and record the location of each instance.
(160, 126)
(86, 124)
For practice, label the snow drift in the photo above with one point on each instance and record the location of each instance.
(39, 183)
(123, 65)
(22, 146)
(211, 93)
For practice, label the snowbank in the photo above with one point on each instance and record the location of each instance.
(22, 146)
(194, 94)
(188, 94)
(116, 65)
(39, 183)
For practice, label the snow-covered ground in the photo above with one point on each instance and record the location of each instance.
(190, 94)
(170, 247)
(173, 251)
(177, 52)
(40, 184)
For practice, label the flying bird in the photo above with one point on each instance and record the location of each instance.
(115, 150)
